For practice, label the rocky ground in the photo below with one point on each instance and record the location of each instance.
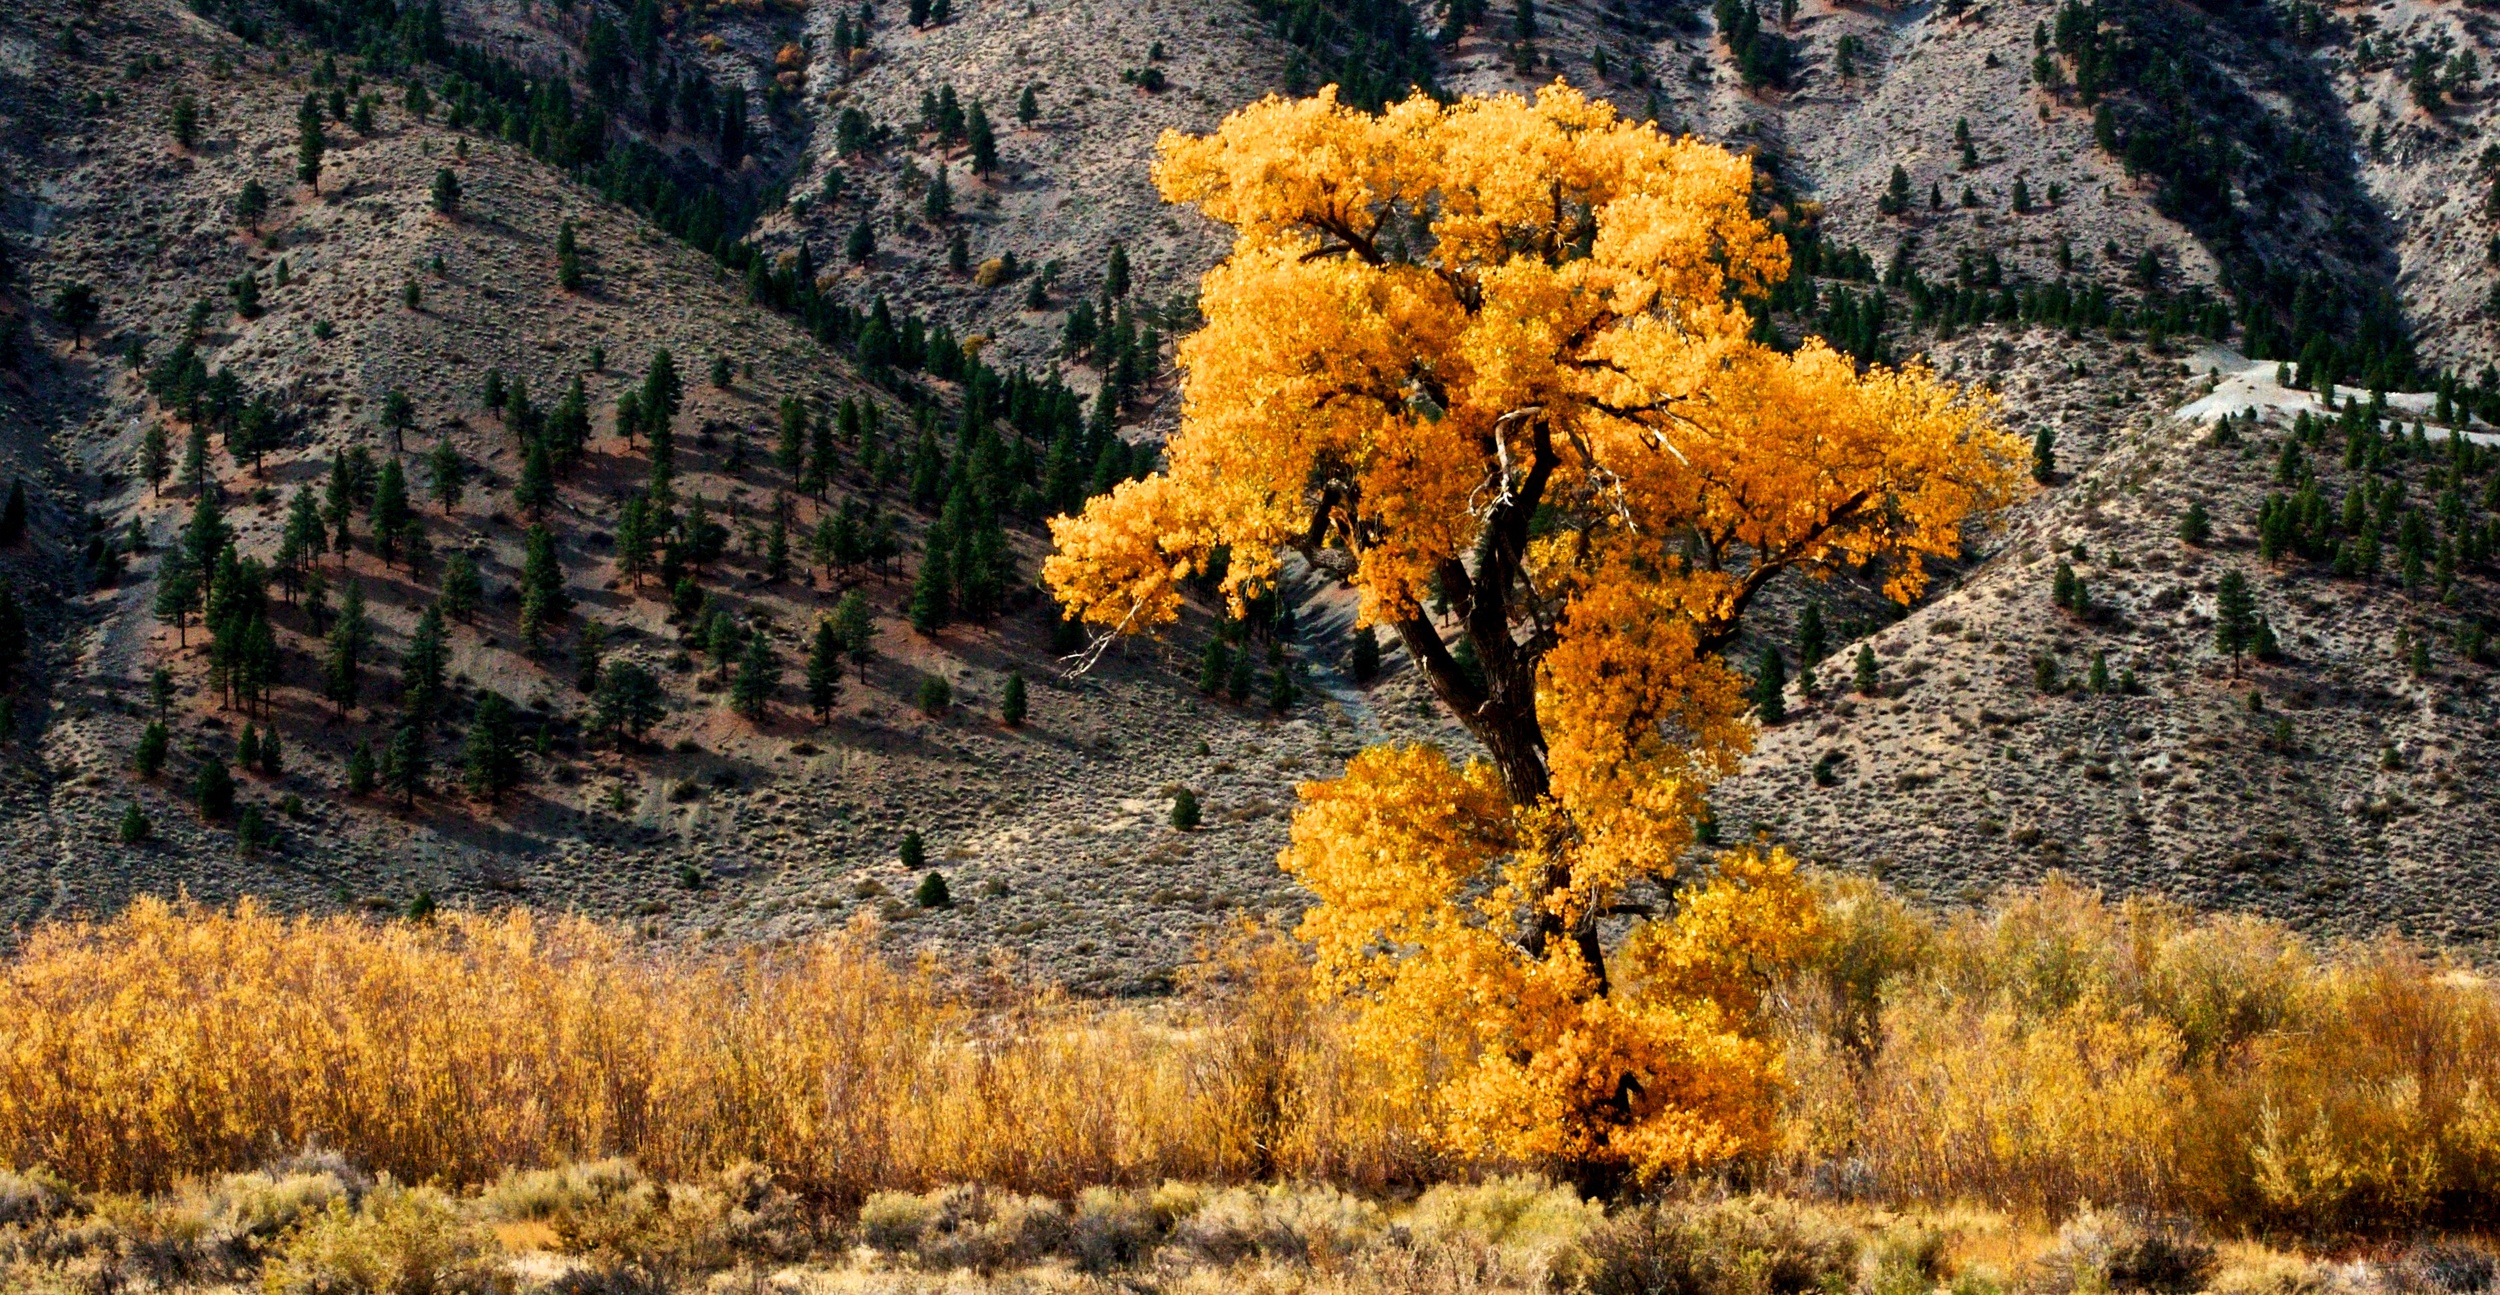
(1054, 836)
(2335, 787)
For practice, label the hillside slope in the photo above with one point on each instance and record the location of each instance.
(1052, 831)
(2340, 207)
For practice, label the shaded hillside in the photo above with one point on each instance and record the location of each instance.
(752, 186)
(717, 821)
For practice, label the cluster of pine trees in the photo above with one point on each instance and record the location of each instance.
(2163, 107)
(1375, 51)
(214, 403)
(1763, 57)
(1230, 664)
(2375, 524)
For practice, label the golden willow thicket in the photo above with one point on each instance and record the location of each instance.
(1497, 356)
(2049, 1052)
(178, 1043)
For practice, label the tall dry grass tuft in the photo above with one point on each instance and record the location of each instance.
(181, 1042)
(2056, 1050)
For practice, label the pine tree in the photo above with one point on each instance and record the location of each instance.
(722, 641)
(984, 142)
(1028, 106)
(2044, 455)
(490, 758)
(251, 206)
(759, 671)
(156, 461)
(938, 204)
(2195, 526)
(824, 671)
(1866, 678)
(195, 459)
(628, 703)
(360, 769)
(213, 791)
(568, 257)
(206, 534)
(399, 413)
(1365, 662)
(2235, 616)
(177, 593)
(930, 592)
(462, 589)
(446, 194)
(851, 620)
(448, 474)
(821, 461)
(74, 308)
(154, 741)
(1184, 810)
(1770, 686)
(1810, 638)
(1215, 665)
(589, 656)
(405, 764)
(134, 828)
(1012, 701)
(791, 454)
(535, 491)
(390, 511)
(1115, 272)
(2262, 643)
(661, 394)
(186, 122)
(777, 551)
(343, 662)
(543, 599)
(423, 667)
(309, 144)
(1242, 678)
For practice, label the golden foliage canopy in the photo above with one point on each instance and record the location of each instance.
(1497, 357)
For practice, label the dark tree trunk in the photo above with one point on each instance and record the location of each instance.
(1501, 711)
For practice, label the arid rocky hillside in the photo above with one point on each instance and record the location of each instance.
(2100, 211)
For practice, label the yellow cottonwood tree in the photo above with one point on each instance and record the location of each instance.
(1490, 362)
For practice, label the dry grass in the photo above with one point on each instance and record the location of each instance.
(2047, 1054)
(172, 1044)
(2055, 1049)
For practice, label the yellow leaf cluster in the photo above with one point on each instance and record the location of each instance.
(1511, 1054)
(1414, 297)
(1504, 346)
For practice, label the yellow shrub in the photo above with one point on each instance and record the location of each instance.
(2055, 1050)
(171, 1043)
